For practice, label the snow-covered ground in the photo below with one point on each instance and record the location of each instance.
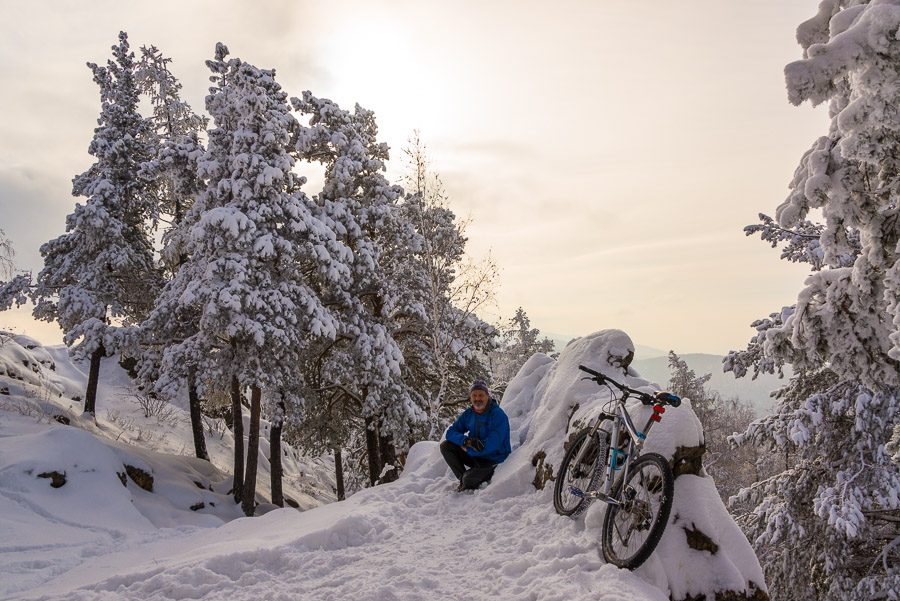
(416, 538)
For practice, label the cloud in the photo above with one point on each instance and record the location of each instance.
(33, 206)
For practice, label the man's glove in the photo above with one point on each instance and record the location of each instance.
(475, 444)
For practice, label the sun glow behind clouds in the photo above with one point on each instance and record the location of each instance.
(377, 63)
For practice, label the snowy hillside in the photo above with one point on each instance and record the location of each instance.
(412, 539)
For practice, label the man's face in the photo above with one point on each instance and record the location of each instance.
(479, 400)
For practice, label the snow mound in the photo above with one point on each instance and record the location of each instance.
(702, 551)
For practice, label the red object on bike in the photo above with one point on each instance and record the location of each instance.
(659, 408)
(656, 417)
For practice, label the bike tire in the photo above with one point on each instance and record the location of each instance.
(565, 502)
(642, 518)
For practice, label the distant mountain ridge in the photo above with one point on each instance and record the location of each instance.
(757, 392)
(653, 364)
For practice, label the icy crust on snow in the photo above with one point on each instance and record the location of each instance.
(548, 401)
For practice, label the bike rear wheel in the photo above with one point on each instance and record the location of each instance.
(632, 530)
(572, 475)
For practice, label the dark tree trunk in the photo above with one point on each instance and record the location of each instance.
(373, 452)
(249, 502)
(339, 474)
(237, 428)
(196, 420)
(277, 471)
(90, 395)
(388, 457)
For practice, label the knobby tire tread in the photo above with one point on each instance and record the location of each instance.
(560, 483)
(659, 524)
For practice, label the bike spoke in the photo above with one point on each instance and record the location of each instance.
(633, 521)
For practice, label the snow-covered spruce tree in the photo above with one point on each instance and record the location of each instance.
(445, 342)
(358, 377)
(519, 341)
(828, 526)
(253, 249)
(175, 173)
(174, 168)
(99, 277)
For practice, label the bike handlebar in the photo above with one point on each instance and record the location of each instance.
(663, 398)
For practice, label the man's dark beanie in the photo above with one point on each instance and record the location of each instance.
(479, 385)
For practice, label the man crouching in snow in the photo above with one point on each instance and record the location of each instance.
(478, 439)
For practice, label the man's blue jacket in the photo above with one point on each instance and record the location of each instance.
(490, 427)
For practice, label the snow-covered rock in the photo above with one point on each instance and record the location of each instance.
(703, 551)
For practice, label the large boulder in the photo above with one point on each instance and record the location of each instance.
(703, 554)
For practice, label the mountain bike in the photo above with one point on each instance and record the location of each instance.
(607, 464)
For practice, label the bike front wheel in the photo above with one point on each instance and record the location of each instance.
(632, 529)
(575, 476)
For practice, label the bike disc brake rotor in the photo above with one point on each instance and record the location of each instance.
(641, 502)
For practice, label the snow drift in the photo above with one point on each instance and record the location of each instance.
(415, 538)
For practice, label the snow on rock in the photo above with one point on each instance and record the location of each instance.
(703, 551)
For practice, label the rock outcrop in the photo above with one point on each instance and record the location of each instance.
(703, 554)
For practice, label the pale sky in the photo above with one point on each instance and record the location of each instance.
(609, 153)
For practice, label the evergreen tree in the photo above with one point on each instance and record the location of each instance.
(359, 372)
(253, 249)
(175, 173)
(828, 526)
(519, 342)
(684, 383)
(174, 168)
(100, 277)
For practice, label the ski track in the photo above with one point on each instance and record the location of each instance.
(433, 543)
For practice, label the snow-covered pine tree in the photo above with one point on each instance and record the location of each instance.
(174, 168)
(359, 372)
(445, 342)
(253, 250)
(99, 277)
(828, 526)
(519, 341)
(175, 172)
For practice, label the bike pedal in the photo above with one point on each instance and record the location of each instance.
(576, 491)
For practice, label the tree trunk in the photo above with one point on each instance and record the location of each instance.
(339, 474)
(90, 395)
(249, 502)
(388, 457)
(277, 471)
(373, 452)
(196, 419)
(237, 419)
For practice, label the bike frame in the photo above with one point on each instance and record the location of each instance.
(636, 439)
